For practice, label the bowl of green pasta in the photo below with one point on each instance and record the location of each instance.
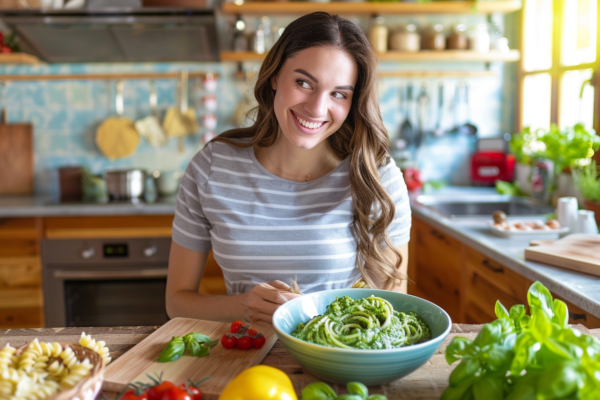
(366, 335)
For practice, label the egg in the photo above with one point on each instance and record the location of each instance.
(553, 224)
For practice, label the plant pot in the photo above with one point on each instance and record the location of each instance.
(523, 177)
(595, 207)
(566, 187)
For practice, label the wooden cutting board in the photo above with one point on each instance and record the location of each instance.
(221, 365)
(578, 252)
(16, 158)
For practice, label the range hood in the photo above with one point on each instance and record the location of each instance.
(138, 34)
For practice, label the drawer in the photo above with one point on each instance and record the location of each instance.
(580, 316)
(475, 315)
(108, 227)
(482, 294)
(18, 228)
(19, 247)
(21, 317)
(20, 272)
(438, 267)
(504, 279)
(21, 298)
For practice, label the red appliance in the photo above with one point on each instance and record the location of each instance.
(488, 167)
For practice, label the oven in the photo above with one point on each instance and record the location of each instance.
(105, 282)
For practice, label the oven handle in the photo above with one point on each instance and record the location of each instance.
(135, 274)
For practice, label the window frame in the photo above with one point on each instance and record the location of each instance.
(557, 70)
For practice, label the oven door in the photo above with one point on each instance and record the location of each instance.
(107, 297)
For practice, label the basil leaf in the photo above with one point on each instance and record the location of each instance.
(318, 391)
(539, 297)
(488, 388)
(490, 333)
(377, 397)
(457, 348)
(173, 351)
(458, 392)
(561, 313)
(501, 311)
(541, 325)
(202, 338)
(349, 397)
(466, 369)
(560, 380)
(358, 388)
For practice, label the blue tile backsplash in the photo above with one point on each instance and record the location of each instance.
(66, 114)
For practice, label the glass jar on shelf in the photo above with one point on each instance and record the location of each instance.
(457, 40)
(406, 39)
(434, 39)
(378, 35)
(480, 39)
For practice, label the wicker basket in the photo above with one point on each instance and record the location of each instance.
(88, 388)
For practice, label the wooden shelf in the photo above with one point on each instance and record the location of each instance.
(421, 56)
(18, 58)
(103, 77)
(367, 7)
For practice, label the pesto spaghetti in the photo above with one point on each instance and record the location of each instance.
(367, 323)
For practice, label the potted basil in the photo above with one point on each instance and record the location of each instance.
(587, 181)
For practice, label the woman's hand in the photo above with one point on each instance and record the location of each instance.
(261, 302)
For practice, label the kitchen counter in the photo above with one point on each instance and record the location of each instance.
(582, 290)
(12, 207)
(426, 383)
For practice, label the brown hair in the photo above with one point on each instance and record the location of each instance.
(362, 136)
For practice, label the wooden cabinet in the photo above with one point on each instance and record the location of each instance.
(21, 300)
(465, 282)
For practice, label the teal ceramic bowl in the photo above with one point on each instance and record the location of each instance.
(371, 367)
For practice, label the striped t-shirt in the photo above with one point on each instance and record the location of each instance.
(262, 227)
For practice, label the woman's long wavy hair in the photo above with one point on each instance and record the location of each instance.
(362, 136)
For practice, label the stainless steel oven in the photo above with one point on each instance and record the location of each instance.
(105, 282)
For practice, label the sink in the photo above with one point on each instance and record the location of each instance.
(483, 206)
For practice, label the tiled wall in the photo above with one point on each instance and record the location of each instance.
(66, 114)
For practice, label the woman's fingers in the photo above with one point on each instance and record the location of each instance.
(290, 296)
(280, 285)
(261, 317)
(269, 293)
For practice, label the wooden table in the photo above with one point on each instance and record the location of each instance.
(426, 383)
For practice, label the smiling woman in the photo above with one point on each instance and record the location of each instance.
(307, 193)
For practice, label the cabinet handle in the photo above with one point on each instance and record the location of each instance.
(575, 317)
(437, 234)
(498, 270)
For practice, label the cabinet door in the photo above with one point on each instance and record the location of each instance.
(486, 282)
(438, 267)
(579, 316)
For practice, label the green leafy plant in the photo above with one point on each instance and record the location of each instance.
(193, 344)
(587, 180)
(322, 391)
(521, 357)
(565, 148)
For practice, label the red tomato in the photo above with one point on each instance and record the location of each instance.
(156, 392)
(176, 393)
(244, 342)
(131, 395)
(236, 326)
(6, 49)
(258, 342)
(194, 392)
(228, 341)
(252, 332)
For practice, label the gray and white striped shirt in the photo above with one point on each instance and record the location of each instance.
(262, 227)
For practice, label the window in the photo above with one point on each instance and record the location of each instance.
(560, 68)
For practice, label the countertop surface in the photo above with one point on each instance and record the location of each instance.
(582, 290)
(426, 383)
(43, 207)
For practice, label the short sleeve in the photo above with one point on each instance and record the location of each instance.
(393, 181)
(191, 229)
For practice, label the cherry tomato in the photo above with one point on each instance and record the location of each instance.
(156, 392)
(251, 332)
(176, 393)
(6, 49)
(228, 341)
(244, 342)
(194, 392)
(236, 326)
(131, 395)
(258, 342)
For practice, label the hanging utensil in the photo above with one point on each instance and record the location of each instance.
(407, 132)
(181, 120)
(422, 111)
(438, 126)
(117, 137)
(455, 118)
(149, 127)
(468, 128)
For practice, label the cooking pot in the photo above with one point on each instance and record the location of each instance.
(127, 184)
